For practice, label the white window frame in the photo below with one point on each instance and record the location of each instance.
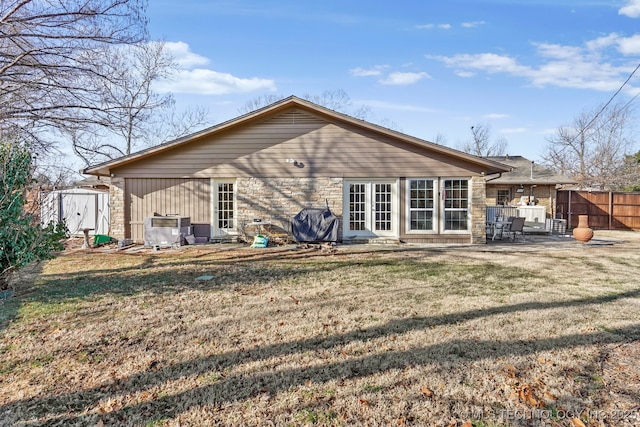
(435, 209)
(215, 230)
(395, 208)
(443, 208)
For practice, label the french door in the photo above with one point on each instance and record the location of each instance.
(371, 208)
(224, 208)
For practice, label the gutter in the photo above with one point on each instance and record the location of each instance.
(495, 177)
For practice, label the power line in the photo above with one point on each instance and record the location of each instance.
(604, 107)
(609, 102)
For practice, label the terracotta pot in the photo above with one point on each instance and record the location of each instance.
(582, 233)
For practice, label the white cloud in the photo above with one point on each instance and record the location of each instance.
(632, 9)
(434, 26)
(208, 82)
(473, 24)
(489, 62)
(182, 54)
(364, 72)
(557, 51)
(596, 65)
(465, 74)
(193, 78)
(629, 45)
(398, 79)
(394, 79)
(602, 42)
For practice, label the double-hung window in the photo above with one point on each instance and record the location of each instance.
(421, 205)
(456, 204)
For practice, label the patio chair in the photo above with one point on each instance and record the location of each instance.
(516, 227)
(500, 227)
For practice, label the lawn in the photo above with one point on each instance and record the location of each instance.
(494, 335)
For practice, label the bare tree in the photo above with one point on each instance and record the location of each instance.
(481, 145)
(592, 149)
(337, 100)
(48, 54)
(133, 115)
(51, 169)
(172, 124)
(440, 139)
(259, 102)
(627, 177)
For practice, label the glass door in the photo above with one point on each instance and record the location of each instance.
(371, 208)
(224, 208)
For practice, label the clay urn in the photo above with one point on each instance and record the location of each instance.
(582, 233)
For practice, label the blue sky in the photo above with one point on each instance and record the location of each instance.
(523, 67)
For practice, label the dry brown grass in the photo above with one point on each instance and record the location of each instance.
(530, 335)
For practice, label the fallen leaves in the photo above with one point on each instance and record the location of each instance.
(426, 391)
(510, 371)
(577, 422)
(526, 394)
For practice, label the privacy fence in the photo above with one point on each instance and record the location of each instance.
(607, 210)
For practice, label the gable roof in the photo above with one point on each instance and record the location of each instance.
(104, 168)
(525, 171)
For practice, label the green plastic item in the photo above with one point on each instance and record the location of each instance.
(100, 239)
(260, 241)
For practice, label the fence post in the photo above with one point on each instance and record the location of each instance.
(610, 209)
(569, 211)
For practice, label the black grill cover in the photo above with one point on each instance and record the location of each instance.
(315, 225)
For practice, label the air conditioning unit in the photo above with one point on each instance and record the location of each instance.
(166, 230)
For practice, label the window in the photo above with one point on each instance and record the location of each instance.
(503, 197)
(421, 204)
(383, 207)
(456, 204)
(357, 206)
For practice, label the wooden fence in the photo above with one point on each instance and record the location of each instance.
(607, 210)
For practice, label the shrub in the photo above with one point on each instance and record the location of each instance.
(22, 238)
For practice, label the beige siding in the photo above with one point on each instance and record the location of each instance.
(184, 197)
(321, 148)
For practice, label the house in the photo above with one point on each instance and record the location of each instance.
(527, 184)
(93, 182)
(271, 163)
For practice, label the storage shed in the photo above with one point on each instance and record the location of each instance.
(78, 208)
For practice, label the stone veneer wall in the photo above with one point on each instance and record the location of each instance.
(277, 200)
(478, 210)
(116, 207)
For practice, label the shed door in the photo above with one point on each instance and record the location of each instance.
(371, 208)
(79, 211)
